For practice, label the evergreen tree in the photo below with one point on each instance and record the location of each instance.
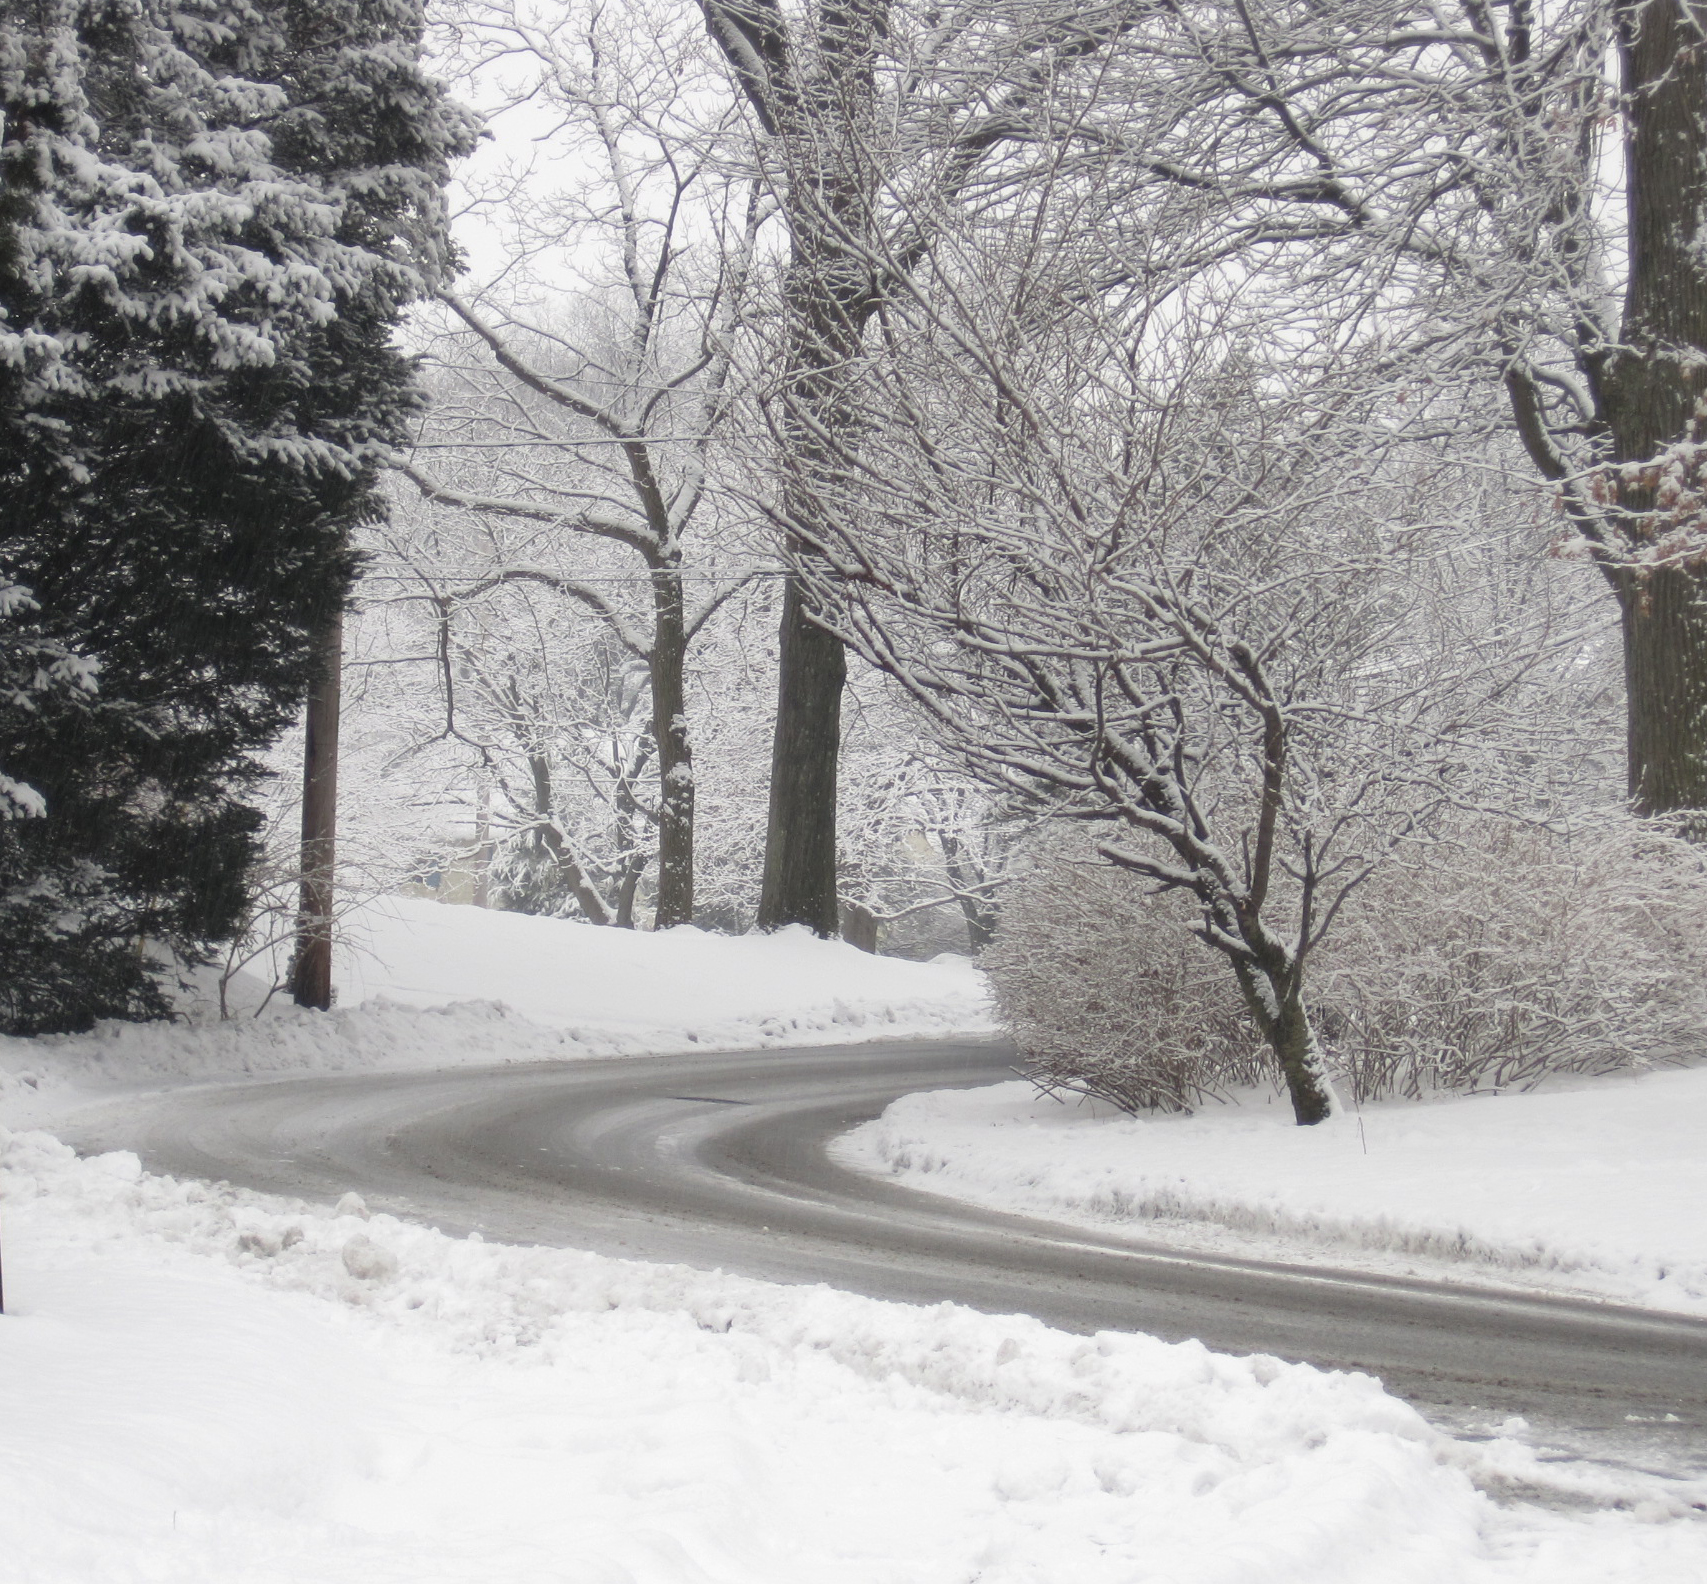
(213, 214)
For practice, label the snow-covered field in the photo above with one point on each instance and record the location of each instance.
(1597, 1188)
(205, 1386)
(424, 985)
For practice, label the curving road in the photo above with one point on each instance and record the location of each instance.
(719, 1161)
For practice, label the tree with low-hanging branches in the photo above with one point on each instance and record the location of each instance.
(212, 218)
(585, 389)
(1502, 194)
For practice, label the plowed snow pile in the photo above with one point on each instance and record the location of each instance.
(204, 1386)
(207, 1387)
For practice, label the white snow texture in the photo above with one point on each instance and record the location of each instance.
(206, 1386)
(1595, 1187)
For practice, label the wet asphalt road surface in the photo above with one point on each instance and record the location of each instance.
(720, 1161)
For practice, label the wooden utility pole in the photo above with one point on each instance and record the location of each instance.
(311, 967)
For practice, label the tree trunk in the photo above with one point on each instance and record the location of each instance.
(980, 913)
(820, 105)
(483, 843)
(1293, 1041)
(675, 753)
(550, 840)
(1665, 673)
(800, 838)
(981, 919)
(1652, 391)
(1275, 999)
(628, 884)
(628, 820)
(311, 968)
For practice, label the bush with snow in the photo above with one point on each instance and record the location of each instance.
(1485, 958)
(1107, 994)
(1509, 953)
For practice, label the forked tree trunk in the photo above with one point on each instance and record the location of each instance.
(979, 911)
(549, 839)
(311, 967)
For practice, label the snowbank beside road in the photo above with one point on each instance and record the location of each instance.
(682, 987)
(425, 985)
(212, 1387)
(1598, 1188)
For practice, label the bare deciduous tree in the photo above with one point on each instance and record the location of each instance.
(1498, 192)
(1137, 566)
(880, 121)
(593, 413)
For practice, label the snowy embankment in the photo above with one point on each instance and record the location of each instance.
(422, 985)
(207, 1386)
(211, 1387)
(1596, 1188)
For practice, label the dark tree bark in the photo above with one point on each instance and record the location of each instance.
(667, 667)
(800, 835)
(311, 968)
(1664, 620)
(1272, 984)
(1653, 389)
(1647, 522)
(822, 121)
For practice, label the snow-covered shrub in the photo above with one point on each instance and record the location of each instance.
(1106, 992)
(1488, 957)
(1504, 953)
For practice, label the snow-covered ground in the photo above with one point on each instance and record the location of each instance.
(684, 989)
(423, 985)
(1597, 1188)
(206, 1387)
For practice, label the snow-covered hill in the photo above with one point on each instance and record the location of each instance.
(426, 985)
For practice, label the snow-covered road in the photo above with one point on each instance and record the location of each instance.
(720, 1161)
